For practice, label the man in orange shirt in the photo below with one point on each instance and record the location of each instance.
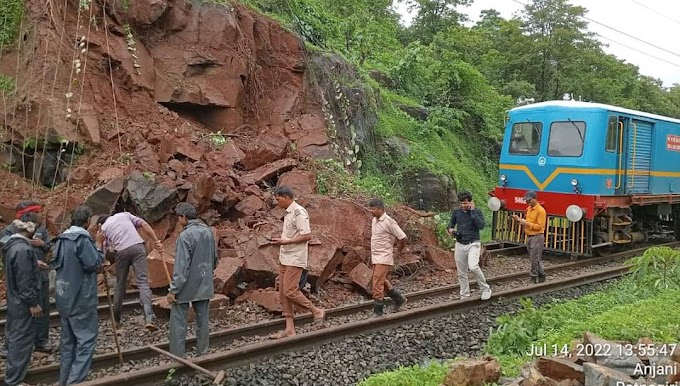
(534, 227)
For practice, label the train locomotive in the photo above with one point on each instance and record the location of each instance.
(607, 176)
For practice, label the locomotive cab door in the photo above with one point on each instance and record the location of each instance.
(616, 133)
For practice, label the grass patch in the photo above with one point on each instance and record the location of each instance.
(6, 85)
(616, 313)
(625, 310)
(11, 13)
(442, 151)
(430, 375)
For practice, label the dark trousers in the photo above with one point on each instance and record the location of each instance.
(78, 342)
(535, 246)
(42, 324)
(134, 256)
(20, 336)
(178, 327)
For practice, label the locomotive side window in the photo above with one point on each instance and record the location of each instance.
(612, 141)
(526, 138)
(566, 139)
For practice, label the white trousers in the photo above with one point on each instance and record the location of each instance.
(467, 258)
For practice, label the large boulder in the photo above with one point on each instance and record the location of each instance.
(150, 200)
(104, 199)
(473, 372)
(426, 191)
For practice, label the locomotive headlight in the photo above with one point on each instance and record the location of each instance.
(495, 204)
(574, 182)
(574, 213)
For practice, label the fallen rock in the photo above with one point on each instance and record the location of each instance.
(202, 191)
(362, 276)
(109, 174)
(80, 175)
(597, 375)
(266, 298)
(351, 260)
(569, 382)
(150, 200)
(158, 278)
(609, 354)
(104, 199)
(531, 377)
(178, 148)
(662, 371)
(266, 149)
(218, 306)
(147, 157)
(440, 258)
(473, 372)
(406, 264)
(261, 263)
(301, 182)
(560, 369)
(226, 276)
(249, 205)
(269, 170)
(322, 262)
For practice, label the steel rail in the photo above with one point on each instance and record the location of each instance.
(102, 313)
(46, 373)
(101, 298)
(250, 353)
(49, 372)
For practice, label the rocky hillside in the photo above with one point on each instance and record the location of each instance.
(138, 105)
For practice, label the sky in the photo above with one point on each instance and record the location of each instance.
(652, 21)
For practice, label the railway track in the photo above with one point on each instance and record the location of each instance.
(237, 356)
(129, 303)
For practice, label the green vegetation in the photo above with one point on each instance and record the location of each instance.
(11, 13)
(7, 85)
(625, 310)
(430, 375)
(439, 89)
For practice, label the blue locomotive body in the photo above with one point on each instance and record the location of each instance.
(607, 175)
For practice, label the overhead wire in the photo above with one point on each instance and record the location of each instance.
(656, 12)
(635, 49)
(625, 34)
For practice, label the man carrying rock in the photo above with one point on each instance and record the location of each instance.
(192, 280)
(293, 255)
(120, 234)
(23, 297)
(470, 221)
(534, 228)
(41, 243)
(384, 232)
(76, 260)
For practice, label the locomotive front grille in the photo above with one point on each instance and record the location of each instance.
(561, 235)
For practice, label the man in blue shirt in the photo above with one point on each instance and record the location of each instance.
(470, 221)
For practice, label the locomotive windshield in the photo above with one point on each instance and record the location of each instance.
(526, 138)
(566, 139)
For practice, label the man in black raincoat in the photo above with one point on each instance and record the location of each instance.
(76, 260)
(23, 297)
(41, 243)
(192, 280)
